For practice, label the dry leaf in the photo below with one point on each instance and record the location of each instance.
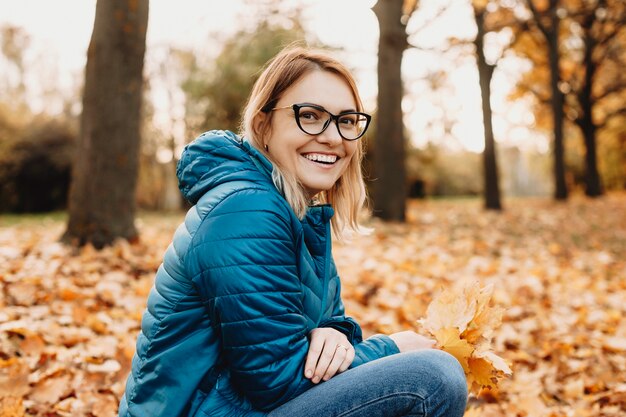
(450, 310)
(13, 378)
(481, 374)
(486, 319)
(450, 340)
(11, 407)
(50, 390)
(104, 405)
(108, 366)
(615, 344)
(30, 343)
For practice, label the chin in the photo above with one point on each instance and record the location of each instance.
(317, 189)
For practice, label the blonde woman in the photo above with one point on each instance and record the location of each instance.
(245, 317)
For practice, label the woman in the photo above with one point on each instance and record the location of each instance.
(245, 317)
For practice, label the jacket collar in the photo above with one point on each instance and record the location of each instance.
(262, 163)
(316, 214)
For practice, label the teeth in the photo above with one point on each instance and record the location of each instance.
(316, 157)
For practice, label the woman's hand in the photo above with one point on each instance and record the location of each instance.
(330, 353)
(409, 340)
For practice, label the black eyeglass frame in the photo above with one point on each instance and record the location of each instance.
(296, 109)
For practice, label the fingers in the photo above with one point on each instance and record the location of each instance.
(350, 353)
(340, 361)
(315, 350)
(329, 353)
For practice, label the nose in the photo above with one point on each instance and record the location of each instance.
(330, 136)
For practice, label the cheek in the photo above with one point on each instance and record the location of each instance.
(351, 150)
(351, 153)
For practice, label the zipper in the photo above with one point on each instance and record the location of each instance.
(327, 255)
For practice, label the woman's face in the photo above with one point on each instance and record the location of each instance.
(317, 161)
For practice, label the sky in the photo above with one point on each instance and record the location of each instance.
(60, 32)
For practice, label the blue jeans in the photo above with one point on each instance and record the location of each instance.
(425, 383)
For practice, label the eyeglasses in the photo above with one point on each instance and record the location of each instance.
(313, 120)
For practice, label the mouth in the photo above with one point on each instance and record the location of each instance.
(323, 159)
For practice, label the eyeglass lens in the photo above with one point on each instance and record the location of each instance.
(314, 121)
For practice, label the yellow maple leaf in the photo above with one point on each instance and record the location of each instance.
(449, 340)
(451, 309)
(486, 318)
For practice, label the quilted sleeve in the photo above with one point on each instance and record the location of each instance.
(244, 262)
(374, 347)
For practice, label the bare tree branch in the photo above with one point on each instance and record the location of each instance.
(615, 88)
(610, 116)
(429, 22)
(537, 93)
(537, 18)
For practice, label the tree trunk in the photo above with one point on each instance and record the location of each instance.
(485, 73)
(593, 187)
(102, 194)
(560, 187)
(390, 189)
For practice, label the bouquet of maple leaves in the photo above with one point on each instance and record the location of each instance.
(462, 321)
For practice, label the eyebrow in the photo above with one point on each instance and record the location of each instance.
(322, 107)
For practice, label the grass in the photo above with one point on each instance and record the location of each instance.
(31, 219)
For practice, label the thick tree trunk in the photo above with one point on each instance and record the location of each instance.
(593, 187)
(102, 195)
(550, 32)
(390, 189)
(560, 187)
(485, 73)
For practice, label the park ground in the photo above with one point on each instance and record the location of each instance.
(69, 317)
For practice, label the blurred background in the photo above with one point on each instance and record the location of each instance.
(497, 154)
(549, 132)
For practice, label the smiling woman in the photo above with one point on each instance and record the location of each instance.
(246, 317)
(301, 142)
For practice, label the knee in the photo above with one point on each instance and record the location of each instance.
(444, 368)
(452, 373)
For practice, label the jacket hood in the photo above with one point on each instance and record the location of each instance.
(216, 157)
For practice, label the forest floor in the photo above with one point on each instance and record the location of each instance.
(69, 318)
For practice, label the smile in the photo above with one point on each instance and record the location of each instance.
(321, 158)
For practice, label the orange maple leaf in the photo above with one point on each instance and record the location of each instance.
(449, 340)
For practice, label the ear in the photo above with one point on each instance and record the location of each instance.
(259, 121)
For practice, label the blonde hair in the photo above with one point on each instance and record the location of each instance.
(348, 194)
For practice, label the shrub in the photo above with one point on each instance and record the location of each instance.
(35, 167)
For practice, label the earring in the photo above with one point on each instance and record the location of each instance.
(267, 148)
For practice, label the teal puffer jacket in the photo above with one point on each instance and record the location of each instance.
(240, 288)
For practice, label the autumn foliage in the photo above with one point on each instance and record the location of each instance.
(463, 322)
(555, 274)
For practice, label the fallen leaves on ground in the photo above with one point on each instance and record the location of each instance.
(558, 270)
(69, 318)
